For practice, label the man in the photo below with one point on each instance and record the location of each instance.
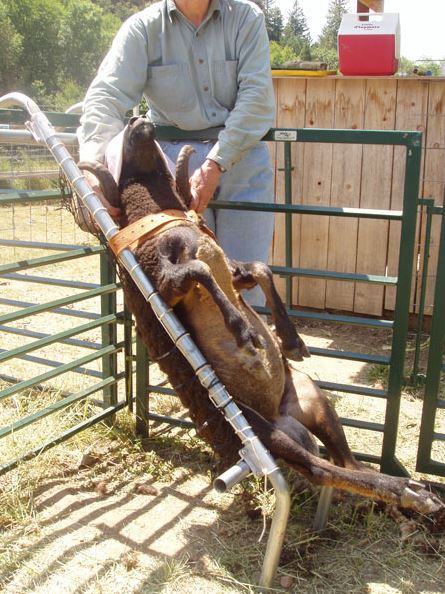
(199, 64)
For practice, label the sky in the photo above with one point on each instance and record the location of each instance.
(422, 23)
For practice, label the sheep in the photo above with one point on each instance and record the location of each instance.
(193, 275)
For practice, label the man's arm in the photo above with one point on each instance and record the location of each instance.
(203, 184)
(251, 117)
(117, 88)
(254, 110)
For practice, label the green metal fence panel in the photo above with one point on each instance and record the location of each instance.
(23, 361)
(408, 218)
(288, 138)
(434, 397)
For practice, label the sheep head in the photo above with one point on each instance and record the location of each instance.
(141, 154)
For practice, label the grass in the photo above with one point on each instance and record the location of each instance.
(16, 162)
(366, 547)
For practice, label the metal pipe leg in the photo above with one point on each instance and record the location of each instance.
(277, 529)
(322, 513)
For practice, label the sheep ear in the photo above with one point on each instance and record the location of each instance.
(182, 174)
(106, 180)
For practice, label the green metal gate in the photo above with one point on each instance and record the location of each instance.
(434, 399)
(138, 390)
(31, 271)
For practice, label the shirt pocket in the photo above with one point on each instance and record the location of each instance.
(225, 82)
(169, 88)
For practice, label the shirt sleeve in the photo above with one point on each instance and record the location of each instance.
(254, 110)
(117, 88)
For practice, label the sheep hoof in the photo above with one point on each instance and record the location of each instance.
(296, 353)
(293, 355)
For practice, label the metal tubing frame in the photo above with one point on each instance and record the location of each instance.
(411, 140)
(254, 452)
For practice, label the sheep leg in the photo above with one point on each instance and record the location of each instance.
(247, 276)
(398, 491)
(177, 280)
(303, 400)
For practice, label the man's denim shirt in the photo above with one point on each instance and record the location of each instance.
(193, 78)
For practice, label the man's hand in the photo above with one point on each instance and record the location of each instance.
(203, 184)
(94, 183)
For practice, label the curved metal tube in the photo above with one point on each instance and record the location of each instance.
(76, 108)
(255, 454)
(232, 476)
(25, 137)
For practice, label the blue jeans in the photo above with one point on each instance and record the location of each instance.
(243, 235)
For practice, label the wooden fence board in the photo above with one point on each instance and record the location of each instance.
(325, 174)
(317, 159)
(411, 113)
(291, 105)
(375, 193)
(273, 155)
(433, 182)
(345, 191)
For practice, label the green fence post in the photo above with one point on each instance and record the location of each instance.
(142, 395)
(415, 377)
(288, 219)
(434, 371)
(129, 357)
(109, 331)
(401, 315)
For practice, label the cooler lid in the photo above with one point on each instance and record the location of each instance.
(382, 23)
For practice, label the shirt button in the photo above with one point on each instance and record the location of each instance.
(206, 88)
(201, 61)
(213, 115)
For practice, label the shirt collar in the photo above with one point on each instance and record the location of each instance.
(215, 6)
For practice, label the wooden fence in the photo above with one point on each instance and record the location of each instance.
(357, 176)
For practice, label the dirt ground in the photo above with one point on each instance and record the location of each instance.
(106, 512)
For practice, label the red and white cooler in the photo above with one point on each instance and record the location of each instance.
(369, 44)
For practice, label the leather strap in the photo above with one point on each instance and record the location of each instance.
(153, 224)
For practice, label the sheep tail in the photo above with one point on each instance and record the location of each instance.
(106, 180)
(182, 174)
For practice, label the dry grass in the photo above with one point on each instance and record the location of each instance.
(107, 512)
(146, 520)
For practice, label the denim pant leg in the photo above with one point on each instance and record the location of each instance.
(244, 235)
(247, 235)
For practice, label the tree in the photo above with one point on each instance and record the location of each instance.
(83, 40)
(279, 54)
(324, 54)
(297, 23)
(122, 9)
(424, 67)
(328, 37)
(273, 17)
(37, 22)
(10, 50)
(274, 23)
(51, 49)
(296, 33)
